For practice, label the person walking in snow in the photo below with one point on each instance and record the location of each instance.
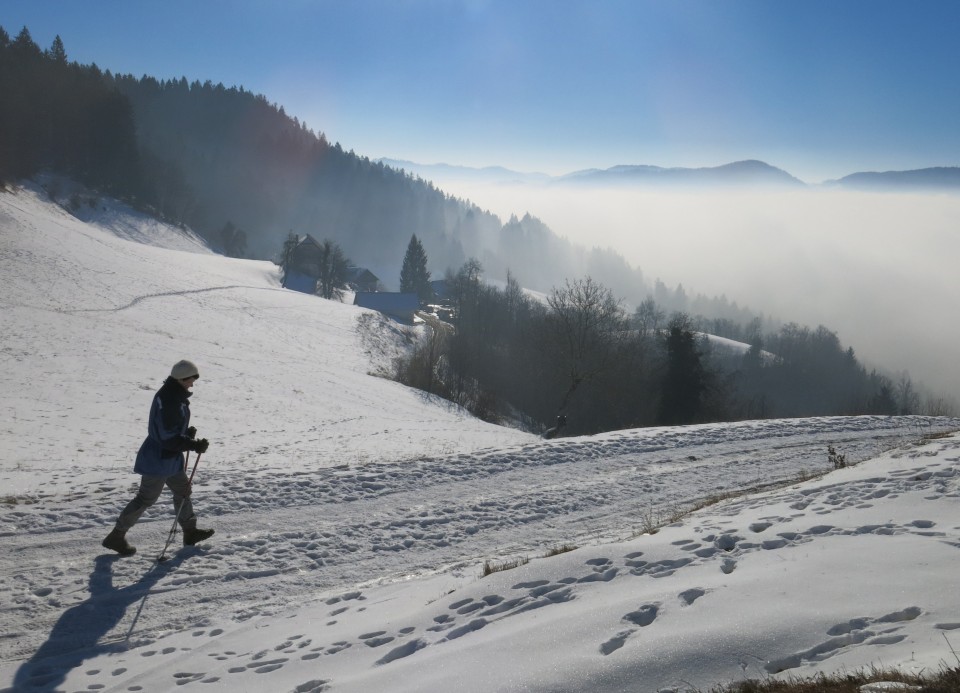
(160, 461)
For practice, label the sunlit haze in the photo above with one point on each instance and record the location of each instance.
(878, 269)
(819, 89)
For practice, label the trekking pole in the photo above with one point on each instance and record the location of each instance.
(173, 530)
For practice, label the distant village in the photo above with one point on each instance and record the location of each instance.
(301, 272)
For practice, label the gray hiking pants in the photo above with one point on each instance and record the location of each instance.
(150, 489)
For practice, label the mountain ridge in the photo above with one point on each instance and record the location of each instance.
(932, 178)
(747, 172)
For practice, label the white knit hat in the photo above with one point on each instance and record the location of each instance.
(184, 369)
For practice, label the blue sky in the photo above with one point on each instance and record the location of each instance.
(820, 88)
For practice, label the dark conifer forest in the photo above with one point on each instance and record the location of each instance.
(63, 117)
(205, 156)
(245, 175)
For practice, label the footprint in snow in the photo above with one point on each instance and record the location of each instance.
(688, 597)
(402, 651)
(183, 678)
(471, 627)
(847, 634)
(642, 617)
(376, 639)
(615, 643)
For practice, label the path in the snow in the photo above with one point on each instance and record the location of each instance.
(309, 533)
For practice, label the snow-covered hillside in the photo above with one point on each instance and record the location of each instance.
(354, 516)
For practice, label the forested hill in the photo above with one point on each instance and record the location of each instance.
(219, 155)
(244, 174)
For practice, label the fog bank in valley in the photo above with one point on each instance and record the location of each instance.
(879, 269)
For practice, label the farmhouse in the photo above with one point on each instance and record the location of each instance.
(301, 268)
(362, 279)
(303, 258)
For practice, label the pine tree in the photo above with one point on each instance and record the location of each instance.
(685, 381)
(57, 52)
(24, 46)
(414, 277)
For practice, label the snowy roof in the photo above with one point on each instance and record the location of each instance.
(396, 304)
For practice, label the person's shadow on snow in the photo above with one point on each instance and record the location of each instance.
(76, 635)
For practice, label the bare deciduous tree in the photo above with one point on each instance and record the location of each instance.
(908, 400)
(588, 326)
(333, 271)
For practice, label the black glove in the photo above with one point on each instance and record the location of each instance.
(191, 432)
(200, 446)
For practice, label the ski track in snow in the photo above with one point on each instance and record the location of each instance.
(166, 294)
(337, 528)
(722, 544)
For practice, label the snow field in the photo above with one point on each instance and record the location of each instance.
(353, 515)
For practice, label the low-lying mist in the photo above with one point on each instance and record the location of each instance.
(879, 269)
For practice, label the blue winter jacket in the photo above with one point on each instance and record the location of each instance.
(162, 452)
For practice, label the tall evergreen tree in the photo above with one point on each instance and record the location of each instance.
(414, 276)
(25, 47)
(686, 378)
(57, 52)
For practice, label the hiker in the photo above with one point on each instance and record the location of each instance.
(160, 460)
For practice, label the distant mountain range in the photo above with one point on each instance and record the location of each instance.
(487, 174)
(945, 178)
(750, 173)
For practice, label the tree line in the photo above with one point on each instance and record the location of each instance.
(580, 355)
(237, 169)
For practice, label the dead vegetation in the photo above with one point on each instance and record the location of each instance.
(947, 680)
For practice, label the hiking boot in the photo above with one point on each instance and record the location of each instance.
(192, 535)
(117, 541)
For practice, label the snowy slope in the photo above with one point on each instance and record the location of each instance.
(354, 516)
(92, 323)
